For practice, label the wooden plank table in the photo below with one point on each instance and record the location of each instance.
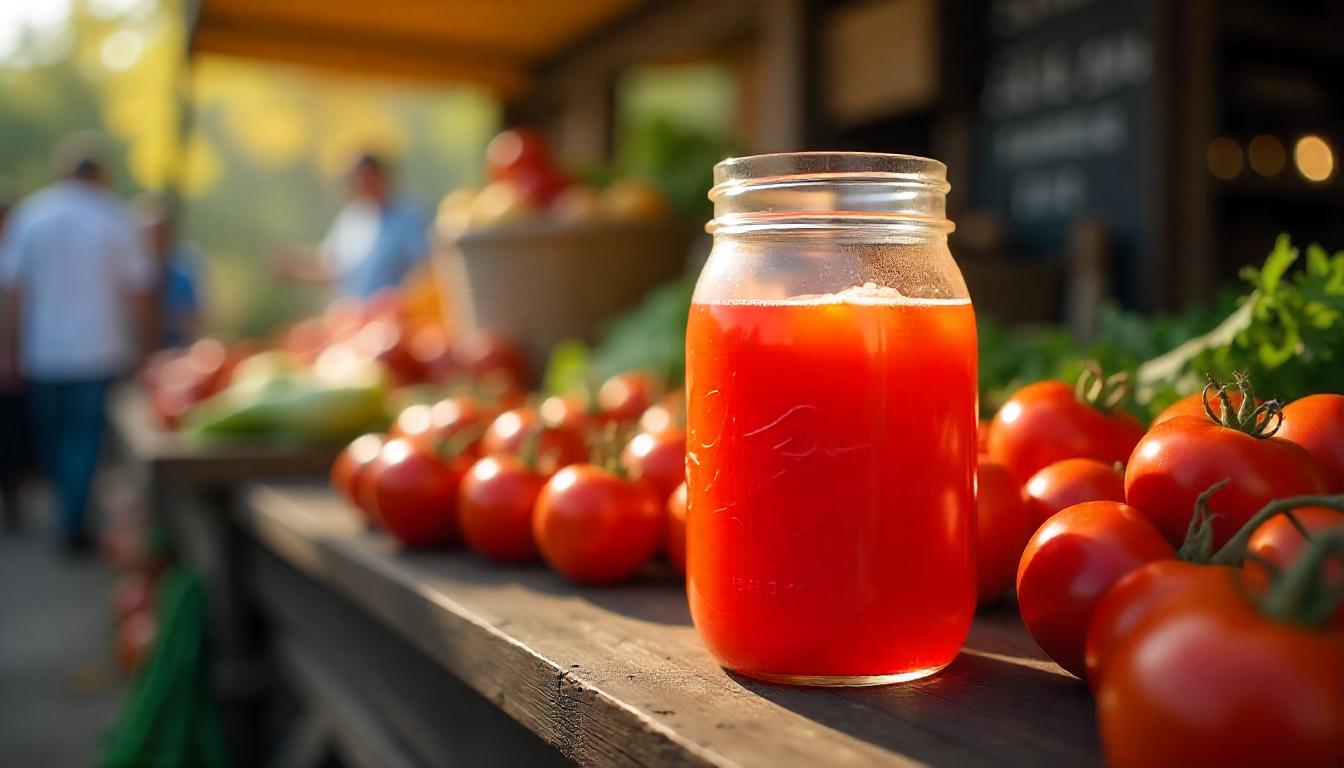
(617, 676)
(191, 486)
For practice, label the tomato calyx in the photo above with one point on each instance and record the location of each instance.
(1300, 594)
(1259, 421)
(1107, 394)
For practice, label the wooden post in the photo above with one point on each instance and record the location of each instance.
(781, 77)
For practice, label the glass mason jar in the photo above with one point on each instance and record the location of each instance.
(831, 393)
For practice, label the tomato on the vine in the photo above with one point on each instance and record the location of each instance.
(1049, 421)
(596, 527)
(482, 353)
(658, 458)
(1278, 543)
(1316, 422)
(1205, 679)
(515, 148)
(495, 503)
(453, 425)
(567, 412)
(351, 465)
(1072, 481)
(414, 494)
(1003, 527)
(1179, 459)
(623, 398)
(1070, 563)
(674, 533)
(555, 446)
(666, 413)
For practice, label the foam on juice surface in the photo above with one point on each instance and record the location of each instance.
(868, 293)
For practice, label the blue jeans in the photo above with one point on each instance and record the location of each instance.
(68, 432)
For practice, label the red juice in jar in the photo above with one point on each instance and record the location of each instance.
(831, 461)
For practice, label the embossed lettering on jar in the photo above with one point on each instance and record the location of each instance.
(831, 390)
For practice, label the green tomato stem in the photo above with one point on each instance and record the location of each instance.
(1234, 551)
(1299, 594)
(1105, 393)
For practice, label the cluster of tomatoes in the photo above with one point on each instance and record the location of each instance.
(389, 328)
(1191, 572)
(177, 378)
(593, 486)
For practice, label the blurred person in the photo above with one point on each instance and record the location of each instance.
(376, 239)
(77, 283)
(177, 261)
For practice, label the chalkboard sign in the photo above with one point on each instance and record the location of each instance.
(1066, 127)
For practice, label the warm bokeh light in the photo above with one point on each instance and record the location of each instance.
(1267, 155)
(20, 21)
(122, 49)
(1225, 158)
(1313, 158)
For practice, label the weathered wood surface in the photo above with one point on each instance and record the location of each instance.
(618, 677)
(172, 461)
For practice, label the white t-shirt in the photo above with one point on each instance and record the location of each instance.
(76, 257)
(352, 236)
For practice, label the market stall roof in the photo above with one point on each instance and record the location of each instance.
(497, 45)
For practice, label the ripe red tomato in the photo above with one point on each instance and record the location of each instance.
(1193, 405)
(1069, 564)
(674, 533)
(595, 527)
(556, 447)
(351, 465)
(668, 412)
(1043, 423)
(1003, 527)
(1316, 422)
(1279, 543)
(481, 353)
(1130, 600)
(1206, 680)
(1179, 459)
(414, 494)
(623, 398)
(453, 426)
(429, 346)
(537, 184)
(1072, 481)
(658, 458)
(494, 506)
(565, 411)
(514, 148)
(384, 341)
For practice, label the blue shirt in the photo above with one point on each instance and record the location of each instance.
(180, 302)
(371, 247)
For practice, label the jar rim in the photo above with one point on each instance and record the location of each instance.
(830, 166)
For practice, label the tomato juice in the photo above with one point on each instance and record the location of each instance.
(831, 464)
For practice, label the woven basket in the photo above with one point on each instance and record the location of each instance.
(545, 282)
